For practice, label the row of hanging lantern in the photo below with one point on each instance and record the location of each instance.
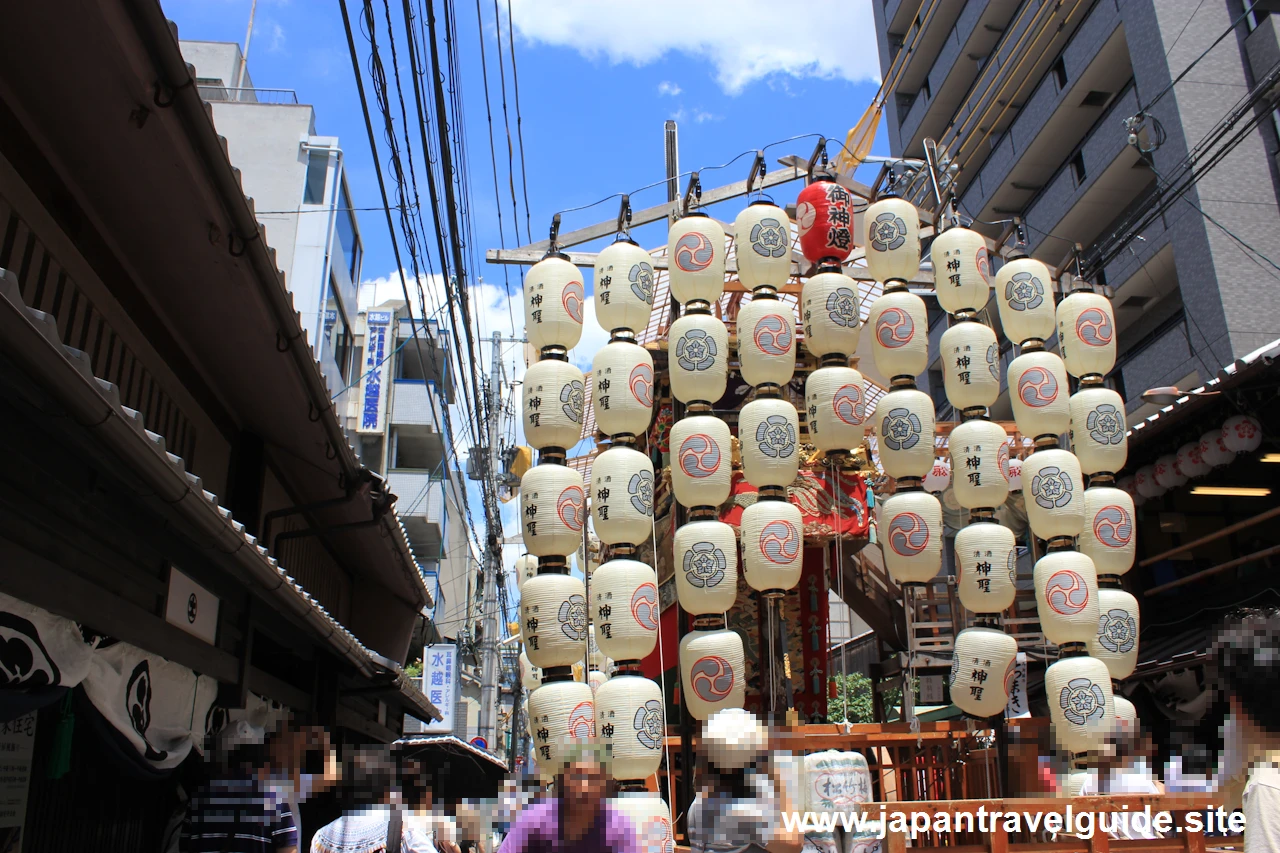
(1081, 700)
(553, 603)
(771, 530)
(712, 657)
(985, 656)
(624, 590)
(1217, 448)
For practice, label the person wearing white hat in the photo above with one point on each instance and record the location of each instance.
(739, 804)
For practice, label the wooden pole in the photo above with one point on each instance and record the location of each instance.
(1214, 536)
(1218, 569)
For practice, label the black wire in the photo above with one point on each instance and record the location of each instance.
(493, 161)
(1167, 89)
(515, 82)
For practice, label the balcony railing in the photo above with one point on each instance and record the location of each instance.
(249, 96)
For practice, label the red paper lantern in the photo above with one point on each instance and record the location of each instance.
(824, 216)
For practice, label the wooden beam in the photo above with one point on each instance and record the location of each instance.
(1216, 570)
(1215, 535)
(661, 211)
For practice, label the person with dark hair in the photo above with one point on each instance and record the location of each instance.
(578, 819)
(381, 823)
(739, 803)
(237, 812)
(1245, 660)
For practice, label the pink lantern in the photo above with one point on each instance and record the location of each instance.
(1190, 462)
(824, 216)
(1242, 434)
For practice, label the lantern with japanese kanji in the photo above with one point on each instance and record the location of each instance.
(982, 668)
(553, 510)
(553, 304)
(554, 393)
(630, 721)
(824, 220)
(553, 619)
(624, 284)
(987, 555)
(622, 392)
(624, 595)
(831, 313)
(961, 270)
(970, 365)
(622, 496)
(836, 401)
(561, 713)
(980, 463)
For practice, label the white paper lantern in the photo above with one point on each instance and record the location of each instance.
(554, 393)
(904, 433)
(836, 398)
(772, 545)
(983, 666)
(1115, 640)
(1129, 485)
(1214, 450)
(767, 342)
(1098, 430)
(1067, 597)
(530, 675)
(769, 430)
(1015, 474)
(961, 270)
(712, 671)
(938, 479)
(706, 559)
(560, 713)
(762, 235)
(980, 464)
(1145, 481)
(622, 496)
(553, 619)
(1087, 333)
(835, 781)
(695, 258)
(1126, 714)
(832, 316)
(1024, 292)
(988, 557)
(553, 508)
(624, 284)
(1166, 472)
(970, 365)
(893, 240)
(1242, 434)
(622, 389)
(525, 568)
(1109, 537)
(624, 598)
(648, 814)
(701, 464)
(1081, 705)
(1054, 489)
(596, 679)
(699, 358)
(1190, 462)
(912, 536)
(629, 721)
(553, 304)
(899, 325)
(1039, 393)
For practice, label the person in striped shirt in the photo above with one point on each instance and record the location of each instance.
(238, 813)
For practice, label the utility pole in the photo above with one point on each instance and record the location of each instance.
(493, 568)
(244, 57)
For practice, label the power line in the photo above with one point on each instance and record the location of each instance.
(515, 82)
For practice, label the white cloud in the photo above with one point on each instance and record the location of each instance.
(700, 116)
(276, 34)
(745, 40)
(668, 88)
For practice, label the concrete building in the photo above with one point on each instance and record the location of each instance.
(299, 188)
(397, 412)
(1030, 100)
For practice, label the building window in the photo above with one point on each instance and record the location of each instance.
(317, 176)
(1253, 15)
(1077, 167)
(1060, 74)
(337, 333)
(347, 236)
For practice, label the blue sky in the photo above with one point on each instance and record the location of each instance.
(597, 80)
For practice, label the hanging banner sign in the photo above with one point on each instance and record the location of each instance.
(440, 683)
(373, 395)
(17, 740)
(1017, 687)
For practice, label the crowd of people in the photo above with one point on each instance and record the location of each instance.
(287, 791)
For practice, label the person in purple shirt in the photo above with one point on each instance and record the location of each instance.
(578, 819)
